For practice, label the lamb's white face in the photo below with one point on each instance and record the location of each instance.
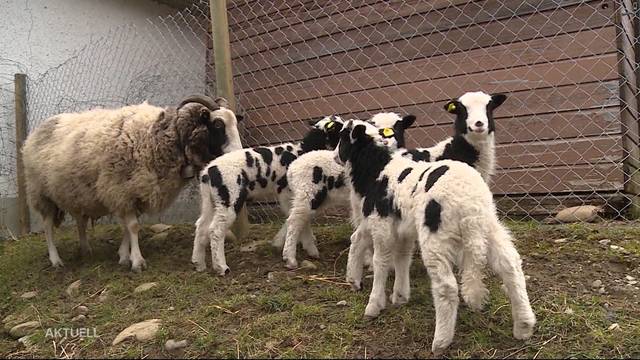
(475, 104)
(328, 122)
(386, 124)
(231, 128)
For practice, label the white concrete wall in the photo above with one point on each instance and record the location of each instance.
(136, 64)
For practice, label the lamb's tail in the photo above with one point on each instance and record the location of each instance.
(475, 231)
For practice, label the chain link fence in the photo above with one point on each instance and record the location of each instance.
(567, 135)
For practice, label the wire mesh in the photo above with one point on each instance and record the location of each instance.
(567, 135)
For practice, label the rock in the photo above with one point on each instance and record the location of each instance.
(306, 264)
(74, 288)
(144, 287)
(569, 311)
(26, 341)
(596, 284)
(527, 277)
(632, 282)
(560, 241)
(585, 213)
(158, 228)
(172, 345)
(171, 308)
(618, 249)
(629, 278)
(341, 303)
(323, 326)
(24, 329)
(79, 318)
(29, 295)
(160, 236)
(142, 331)
(104, 296)
(614, 326)
(270, 276)
(601, 290)
(604, 242)
(81, 310)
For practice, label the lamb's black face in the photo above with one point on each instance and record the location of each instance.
(355, 133)
(331, 126)
(474, 112)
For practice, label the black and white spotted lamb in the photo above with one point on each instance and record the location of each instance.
(449, 209)
(250, 174)
(318, 183)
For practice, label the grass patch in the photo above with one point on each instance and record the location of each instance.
(263, 310)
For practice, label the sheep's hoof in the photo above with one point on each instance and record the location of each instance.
(356, 285)
(398, 299)
(200, 267)
(372, 311)
(224, 271)
(313, 253)
(439, 347)
(125, 261)
(57, 263)
(86, 252)
(291, 264)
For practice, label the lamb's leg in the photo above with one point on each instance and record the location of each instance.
(360, 241)
(436, 251)
(280, 238)
(505, 261)
(85, 248)
(201, 239)
(222, 220)
(298, 219)
(132, 227)
(402, 262)
(382, 257)
(474, 262)
(309, 241)
(125, 247)
(48, 234)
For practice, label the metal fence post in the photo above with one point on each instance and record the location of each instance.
(224, 80)
(20, 86)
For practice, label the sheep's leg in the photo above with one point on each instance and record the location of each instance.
(505, 261)
(309, 241)
(474, 260)
(222, 220)
(436, 251)
(85, 248)
(125, 247)
(133, 227)
(297, 221)
(48, 234)
(382, 256)
(360, 241)
(402, 263)
(280, 238)
(201, 239)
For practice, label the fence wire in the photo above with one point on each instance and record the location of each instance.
(566, 136)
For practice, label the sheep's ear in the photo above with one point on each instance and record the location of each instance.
(205, 116)
(239, 117)
(498, 99)
(312, 122)
(222, 102)
(408, 120)
(452, 106)
(337, 127)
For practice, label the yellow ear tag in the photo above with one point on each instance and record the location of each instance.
(329, 125)
(451, 107)
(387, 132)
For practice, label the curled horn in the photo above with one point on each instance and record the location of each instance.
(200, 99)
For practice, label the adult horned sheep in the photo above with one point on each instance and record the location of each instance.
(125, 162)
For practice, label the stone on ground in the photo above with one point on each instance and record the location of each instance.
(585, 213)
(29, 295)
(144, 287)
(24, 329)
(306, 264)
(172, 345)
(158, 228)
(74, 289)
(142, 331)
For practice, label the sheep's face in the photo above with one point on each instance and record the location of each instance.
(392, 127)
(474, 112)
(331, 126)
(207, 134)
(356, 133)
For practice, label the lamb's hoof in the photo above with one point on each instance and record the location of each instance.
(439, 347)
(356, 285)
(522, 330)
(200, 267)
(138, 266)
(86, 252)
(57, 263)
(291, 264)
(313, 253)
(372, 311)
(125, 261)
(224, 271)
(398, 299)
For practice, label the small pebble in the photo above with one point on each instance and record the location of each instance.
(158, 228)
(144, 287)
(29, 295)
(596, 284)
(604, 242)
(79, 318)
(306, 264)
(569, 311)
(270, 276)
(560, 241)
(613, 326)
(172, 345)
(601, 290)
(323, 326)
(341, 303)
(74, 288)
(81, 310)
(171, 308)
(629, 278)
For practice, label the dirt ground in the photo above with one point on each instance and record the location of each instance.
(263, 310)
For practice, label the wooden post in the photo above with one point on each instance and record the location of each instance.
(20, 88)
(224, 81)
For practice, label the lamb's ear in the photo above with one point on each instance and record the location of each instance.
(312, 123)
(222, 102)
(452, 106)
(338, 127)
(358, 132)
(498, 99)
(408, 120)
(239, 117)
